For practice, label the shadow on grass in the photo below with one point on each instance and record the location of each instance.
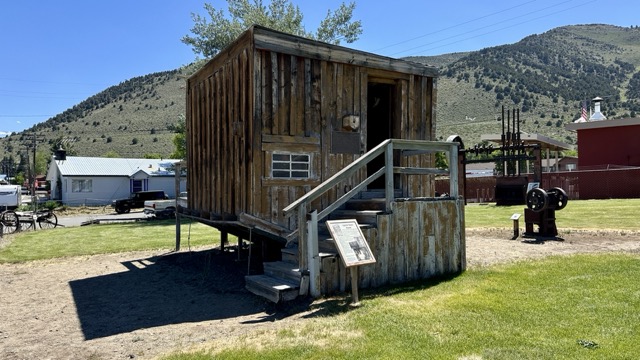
(169, 289)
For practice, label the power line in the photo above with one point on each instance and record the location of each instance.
(453, 26)
(494, 24)
(24, 116)
(51, 82)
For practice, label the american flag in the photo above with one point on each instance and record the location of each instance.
(584, 110)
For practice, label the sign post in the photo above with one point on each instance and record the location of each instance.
(516, 225)
(353, 248)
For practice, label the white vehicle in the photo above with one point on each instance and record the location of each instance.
(164, 208)
(10, 196)
(182, 199)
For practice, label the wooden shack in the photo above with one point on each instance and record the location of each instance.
(281, 127)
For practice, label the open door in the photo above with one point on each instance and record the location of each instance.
(380, 110)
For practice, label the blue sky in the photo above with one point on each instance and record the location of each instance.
(57, 53)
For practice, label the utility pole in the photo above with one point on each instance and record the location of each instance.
(34, 138)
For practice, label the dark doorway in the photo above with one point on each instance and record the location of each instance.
(379, 124)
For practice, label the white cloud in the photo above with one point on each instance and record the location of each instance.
(4, 133)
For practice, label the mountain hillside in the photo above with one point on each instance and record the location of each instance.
(546, 76)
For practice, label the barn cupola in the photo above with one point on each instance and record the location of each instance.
(597, 114)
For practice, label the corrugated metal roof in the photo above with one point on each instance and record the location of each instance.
(96, 166)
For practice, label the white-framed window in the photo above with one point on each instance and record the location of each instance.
(290, 166)
(81, 185)
(137, 185)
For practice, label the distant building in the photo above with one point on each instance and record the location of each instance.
(565, 163)
(605, 143)
(97, 181)
(597, 114)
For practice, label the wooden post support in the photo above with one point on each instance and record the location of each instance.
(313, 255)
(177, 230)
(388, 176)
(224, 238)
(177, 191)
(516, 225)
(33, 219)
(353, 249)
(355, 299)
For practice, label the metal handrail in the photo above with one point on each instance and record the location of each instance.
(339, 176)
(411, 147)
(308, 252)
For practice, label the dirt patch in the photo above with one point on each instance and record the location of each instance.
(144, 304)
(490, 246)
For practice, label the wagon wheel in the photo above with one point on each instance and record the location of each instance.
(537, 200)
(27, 225)
(48, 221)
(561, 197)
(10, 222)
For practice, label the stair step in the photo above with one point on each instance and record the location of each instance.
(362, 216)
(378, 193)
(281, 269)
(290, 255)
(272, 288)
(366, 204)
(326, 247)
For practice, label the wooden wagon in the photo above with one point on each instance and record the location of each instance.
(281, 128)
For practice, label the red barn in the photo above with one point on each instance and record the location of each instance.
(608, 159)
(608, 142)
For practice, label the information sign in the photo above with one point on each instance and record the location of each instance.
(352, 246)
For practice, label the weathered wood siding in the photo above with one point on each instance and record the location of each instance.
(300, 103)
(419, 240)
(220, 130)
(418, 124)
(270, 93)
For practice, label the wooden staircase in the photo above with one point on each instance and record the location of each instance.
(279, 282)
(282, 280)
(355, 203)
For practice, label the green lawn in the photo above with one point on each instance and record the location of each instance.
(618, 214)
(577, 307)
(105, 239)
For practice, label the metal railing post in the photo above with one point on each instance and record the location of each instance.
(388, 187)
(313, 254)
(453, 170)
(302, 237)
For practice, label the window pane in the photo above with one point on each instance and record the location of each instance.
(81, 186)
(281, 164)
(281, 157)
(137, 185)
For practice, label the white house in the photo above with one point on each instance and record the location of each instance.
(97, 181)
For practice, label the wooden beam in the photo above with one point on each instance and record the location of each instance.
(419, 171)
(261, 224)
(293, 45)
